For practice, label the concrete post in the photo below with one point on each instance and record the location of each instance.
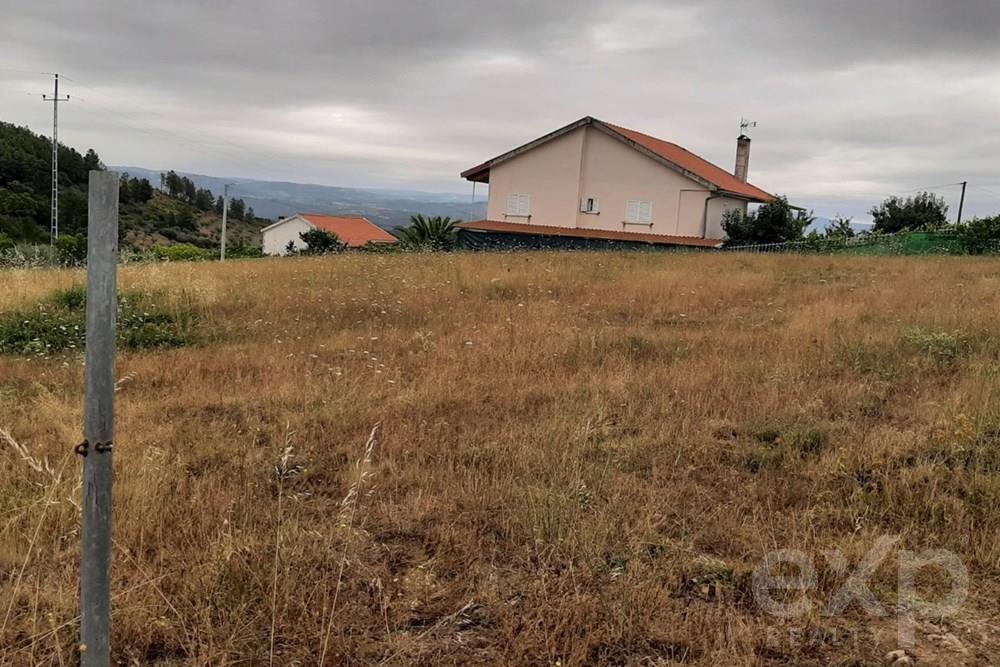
(99, 420)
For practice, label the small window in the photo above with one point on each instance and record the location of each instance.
(519, 205)
(638, 212)
(590, 205)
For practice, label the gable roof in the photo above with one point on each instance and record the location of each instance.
(354, 230)
(669, 154)
(584, 233)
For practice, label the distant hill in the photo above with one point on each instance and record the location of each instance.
(26, 182)
(165, 220)
(819, 225)
(146, 217)
(385, 207)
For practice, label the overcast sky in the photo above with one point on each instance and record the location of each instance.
(854, 100)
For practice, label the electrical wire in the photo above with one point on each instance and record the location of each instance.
(25, 71)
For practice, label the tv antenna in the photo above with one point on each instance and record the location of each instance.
(746, 125)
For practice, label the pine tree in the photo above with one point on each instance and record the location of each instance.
(91, 161)
(124, 189)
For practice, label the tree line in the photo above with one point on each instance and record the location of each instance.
(778, 222)
(184, 189)
(26, 182)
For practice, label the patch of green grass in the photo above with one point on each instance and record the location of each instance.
(56, 324)
(772, 448)
(876, 358)
(944, 346)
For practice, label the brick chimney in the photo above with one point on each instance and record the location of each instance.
(742, 157)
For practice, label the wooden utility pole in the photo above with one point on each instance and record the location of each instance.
(961, 203)
(99, 420)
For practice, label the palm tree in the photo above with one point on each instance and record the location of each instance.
(431, 233)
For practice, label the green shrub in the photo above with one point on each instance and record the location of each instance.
(182, 252)
(840, 228)
(245, 252)
(26, 255)
(382, 248)
(430, 233)
(57, 324)
(321, 242)
(71, 250)
(774, 222)
(941, 345)
(923, 211)
(6, 242)
(72, 298)
(980, 236)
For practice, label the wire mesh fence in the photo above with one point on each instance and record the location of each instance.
(944, 242)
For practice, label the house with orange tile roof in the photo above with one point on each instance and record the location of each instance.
(354, 231)
(592, 180)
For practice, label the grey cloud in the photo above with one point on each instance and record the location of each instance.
(854, 99)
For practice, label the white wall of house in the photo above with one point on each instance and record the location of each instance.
(548, 174)
(276, 237)
(616, 173)
(555, 178)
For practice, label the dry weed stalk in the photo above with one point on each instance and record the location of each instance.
(348, 510)
(125, 380)
(283, 469)
(40, 465)
(56, 478)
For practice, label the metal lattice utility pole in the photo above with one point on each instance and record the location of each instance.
(55, 99)
(99, 420)
(225, 213)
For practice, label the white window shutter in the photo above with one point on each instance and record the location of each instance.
(583, 205)
(597, 206)
(631, 211)
(639, 212)
(512, 204)
(524, 205)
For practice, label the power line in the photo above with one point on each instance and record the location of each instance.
(988, 191)
(26, 71)
(928, 188)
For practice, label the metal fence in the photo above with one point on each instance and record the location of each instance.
(819, 245)
(903, 243)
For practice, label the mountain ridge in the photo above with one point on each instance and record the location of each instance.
(386, 207)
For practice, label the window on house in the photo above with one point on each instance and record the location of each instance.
(638, 212)
(519, 205)
(590, 205)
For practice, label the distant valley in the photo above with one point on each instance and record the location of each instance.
(386, 208)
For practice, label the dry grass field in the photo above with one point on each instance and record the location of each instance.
(578, 459)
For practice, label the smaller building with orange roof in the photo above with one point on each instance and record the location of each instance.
(353, 230)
